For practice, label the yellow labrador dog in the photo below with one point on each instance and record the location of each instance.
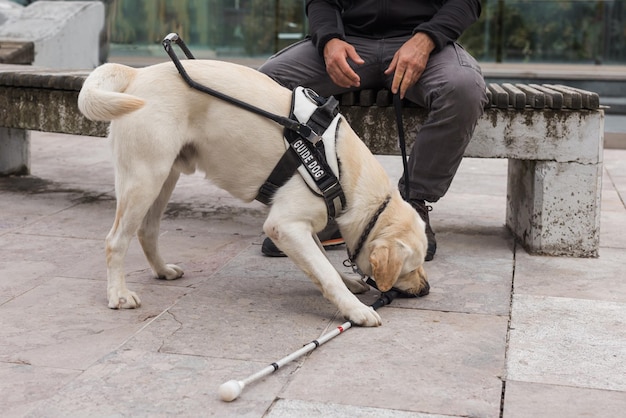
(160, 128)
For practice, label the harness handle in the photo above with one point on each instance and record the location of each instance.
(301, 129)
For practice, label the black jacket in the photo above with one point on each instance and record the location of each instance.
(443, 20)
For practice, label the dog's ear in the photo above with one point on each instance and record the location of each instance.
(386, 259)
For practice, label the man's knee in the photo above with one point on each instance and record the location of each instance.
(463, 95)
(467, 86)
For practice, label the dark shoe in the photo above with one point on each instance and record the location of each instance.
(422, 209)
(329, 237)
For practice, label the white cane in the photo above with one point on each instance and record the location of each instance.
(230, 390)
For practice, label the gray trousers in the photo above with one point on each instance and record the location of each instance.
(451, 88)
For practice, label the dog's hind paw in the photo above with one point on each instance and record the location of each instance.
(170, 272)
(124, 300)
(365, 316)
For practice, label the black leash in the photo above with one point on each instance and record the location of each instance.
(351, 261)
(397, 104)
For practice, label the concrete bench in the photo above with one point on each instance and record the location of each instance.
(552, 136)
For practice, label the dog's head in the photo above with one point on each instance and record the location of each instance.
(398, 249)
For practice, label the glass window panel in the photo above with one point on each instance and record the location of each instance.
(573, 31)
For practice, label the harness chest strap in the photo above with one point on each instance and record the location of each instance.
(309, 153)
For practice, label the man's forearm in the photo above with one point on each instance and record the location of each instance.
(324, 22)
(454, 17)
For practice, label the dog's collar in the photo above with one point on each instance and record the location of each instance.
(352, 256)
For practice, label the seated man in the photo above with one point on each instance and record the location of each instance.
(410, 48)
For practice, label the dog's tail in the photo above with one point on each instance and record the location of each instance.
(102, 97)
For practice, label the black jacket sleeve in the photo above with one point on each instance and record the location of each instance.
(449, 23)
(324, 22)
(443, 20)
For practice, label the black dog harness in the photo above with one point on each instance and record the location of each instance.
(311, 157)
(305, 144)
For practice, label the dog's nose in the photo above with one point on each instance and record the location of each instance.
(425, 290)
(384, 288)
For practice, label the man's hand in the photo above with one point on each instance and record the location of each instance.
(409, 62)
(336, 55)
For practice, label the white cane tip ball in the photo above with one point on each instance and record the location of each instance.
(230, 390)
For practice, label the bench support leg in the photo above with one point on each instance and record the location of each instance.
(14, 152)
(554, 208)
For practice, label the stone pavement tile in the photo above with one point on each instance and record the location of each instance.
(568, 342)
(213, 219)
(620, 186)
(485, 166)
(136, 383)
(251, 264)
(289, 408)
(55, 160)
(198, 253)
(22, 208)
(63, 176)
(615, 171)
(90, 220)
(615, 162)
(469, 214)
(17, 277)
(470, 168)
(23, 386)
(65, 323)
(30, 260)
(613, 215)
(611, 200)
(581, 278)
(423, 361)
(612, 227)
(240, 318)
(523, 400)
(476, 201)
(206, 198)
(56, 255)
(55, 157)
(470, 273)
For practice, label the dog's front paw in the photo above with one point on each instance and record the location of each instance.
(123, 299)
(364, 316)
(170, 272)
